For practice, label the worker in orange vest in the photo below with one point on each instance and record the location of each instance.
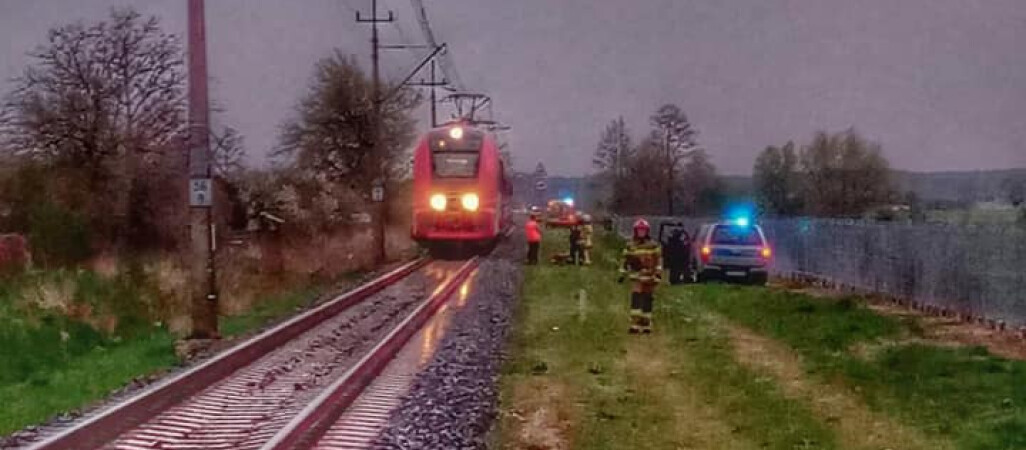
(534, 236)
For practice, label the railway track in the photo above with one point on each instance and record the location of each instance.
(284, 387)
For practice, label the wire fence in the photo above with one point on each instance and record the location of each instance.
(976, 270)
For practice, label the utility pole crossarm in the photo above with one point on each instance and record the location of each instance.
(405, 47)
(413, 72)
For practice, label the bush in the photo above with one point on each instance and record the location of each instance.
(58, 236)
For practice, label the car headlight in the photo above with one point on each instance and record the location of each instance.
(470, 201)
(438, 202)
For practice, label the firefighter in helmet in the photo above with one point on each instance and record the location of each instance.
(587, 230)
(642, 263)
(575, 239)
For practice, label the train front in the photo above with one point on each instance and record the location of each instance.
(457, 180)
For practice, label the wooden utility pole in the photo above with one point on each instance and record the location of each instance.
(378, 194)
(203, 278)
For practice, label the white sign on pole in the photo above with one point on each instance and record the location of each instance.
(201, 193)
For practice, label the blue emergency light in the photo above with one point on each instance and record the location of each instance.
(569, 201)
(740, 214)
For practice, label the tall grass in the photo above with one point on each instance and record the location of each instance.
(965, 393)
(68, 337)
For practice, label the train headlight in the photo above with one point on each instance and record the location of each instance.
(438, 202)
(470, 201)
(456, 133)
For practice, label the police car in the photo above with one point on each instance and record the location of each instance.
(734, 250)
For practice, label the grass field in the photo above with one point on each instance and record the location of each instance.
(70, 338)
(740, 367)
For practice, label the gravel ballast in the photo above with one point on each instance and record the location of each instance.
(453, 401)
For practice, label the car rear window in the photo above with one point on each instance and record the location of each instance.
(727, 235)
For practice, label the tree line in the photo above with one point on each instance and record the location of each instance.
(667, 172)
(93, 145)
(838, 174)
(834, 175)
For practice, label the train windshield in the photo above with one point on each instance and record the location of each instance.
(455, 164)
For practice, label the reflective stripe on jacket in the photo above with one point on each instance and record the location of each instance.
(642, 260)
(586, 232)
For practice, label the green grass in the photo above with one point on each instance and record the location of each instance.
(274, 306)
(757, 408)
(269, 309)
(818, 329)
(617, 400)
(975, 398)
(52, 363)
(81, 380)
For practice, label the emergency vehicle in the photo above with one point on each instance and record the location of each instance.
(734, 251)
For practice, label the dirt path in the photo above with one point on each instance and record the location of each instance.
(697, 424)
(856, 426)
(543, 416)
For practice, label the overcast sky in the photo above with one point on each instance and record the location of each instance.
(940, 83)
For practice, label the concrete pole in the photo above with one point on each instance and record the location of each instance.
(202, 277)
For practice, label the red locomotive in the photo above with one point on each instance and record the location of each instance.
(461, 191)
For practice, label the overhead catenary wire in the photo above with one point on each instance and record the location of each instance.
(446, 62)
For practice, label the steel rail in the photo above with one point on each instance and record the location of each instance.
(314, 421)
(106, 426)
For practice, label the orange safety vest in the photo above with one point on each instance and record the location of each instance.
(532, 231)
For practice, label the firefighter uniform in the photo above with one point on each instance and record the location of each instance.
(642, 263)
(585, 245)
(575, 242)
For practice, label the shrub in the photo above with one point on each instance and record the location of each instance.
(58, 237)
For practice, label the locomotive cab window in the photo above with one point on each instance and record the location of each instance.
(455, 164)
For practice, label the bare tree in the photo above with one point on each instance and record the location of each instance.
(98, 92)
(333, 135)
(777, 180)
(229, 151)
(99, 103)
(845, 174)
(701, 189)
(614, 149)
(641, 191)
(676, 136)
